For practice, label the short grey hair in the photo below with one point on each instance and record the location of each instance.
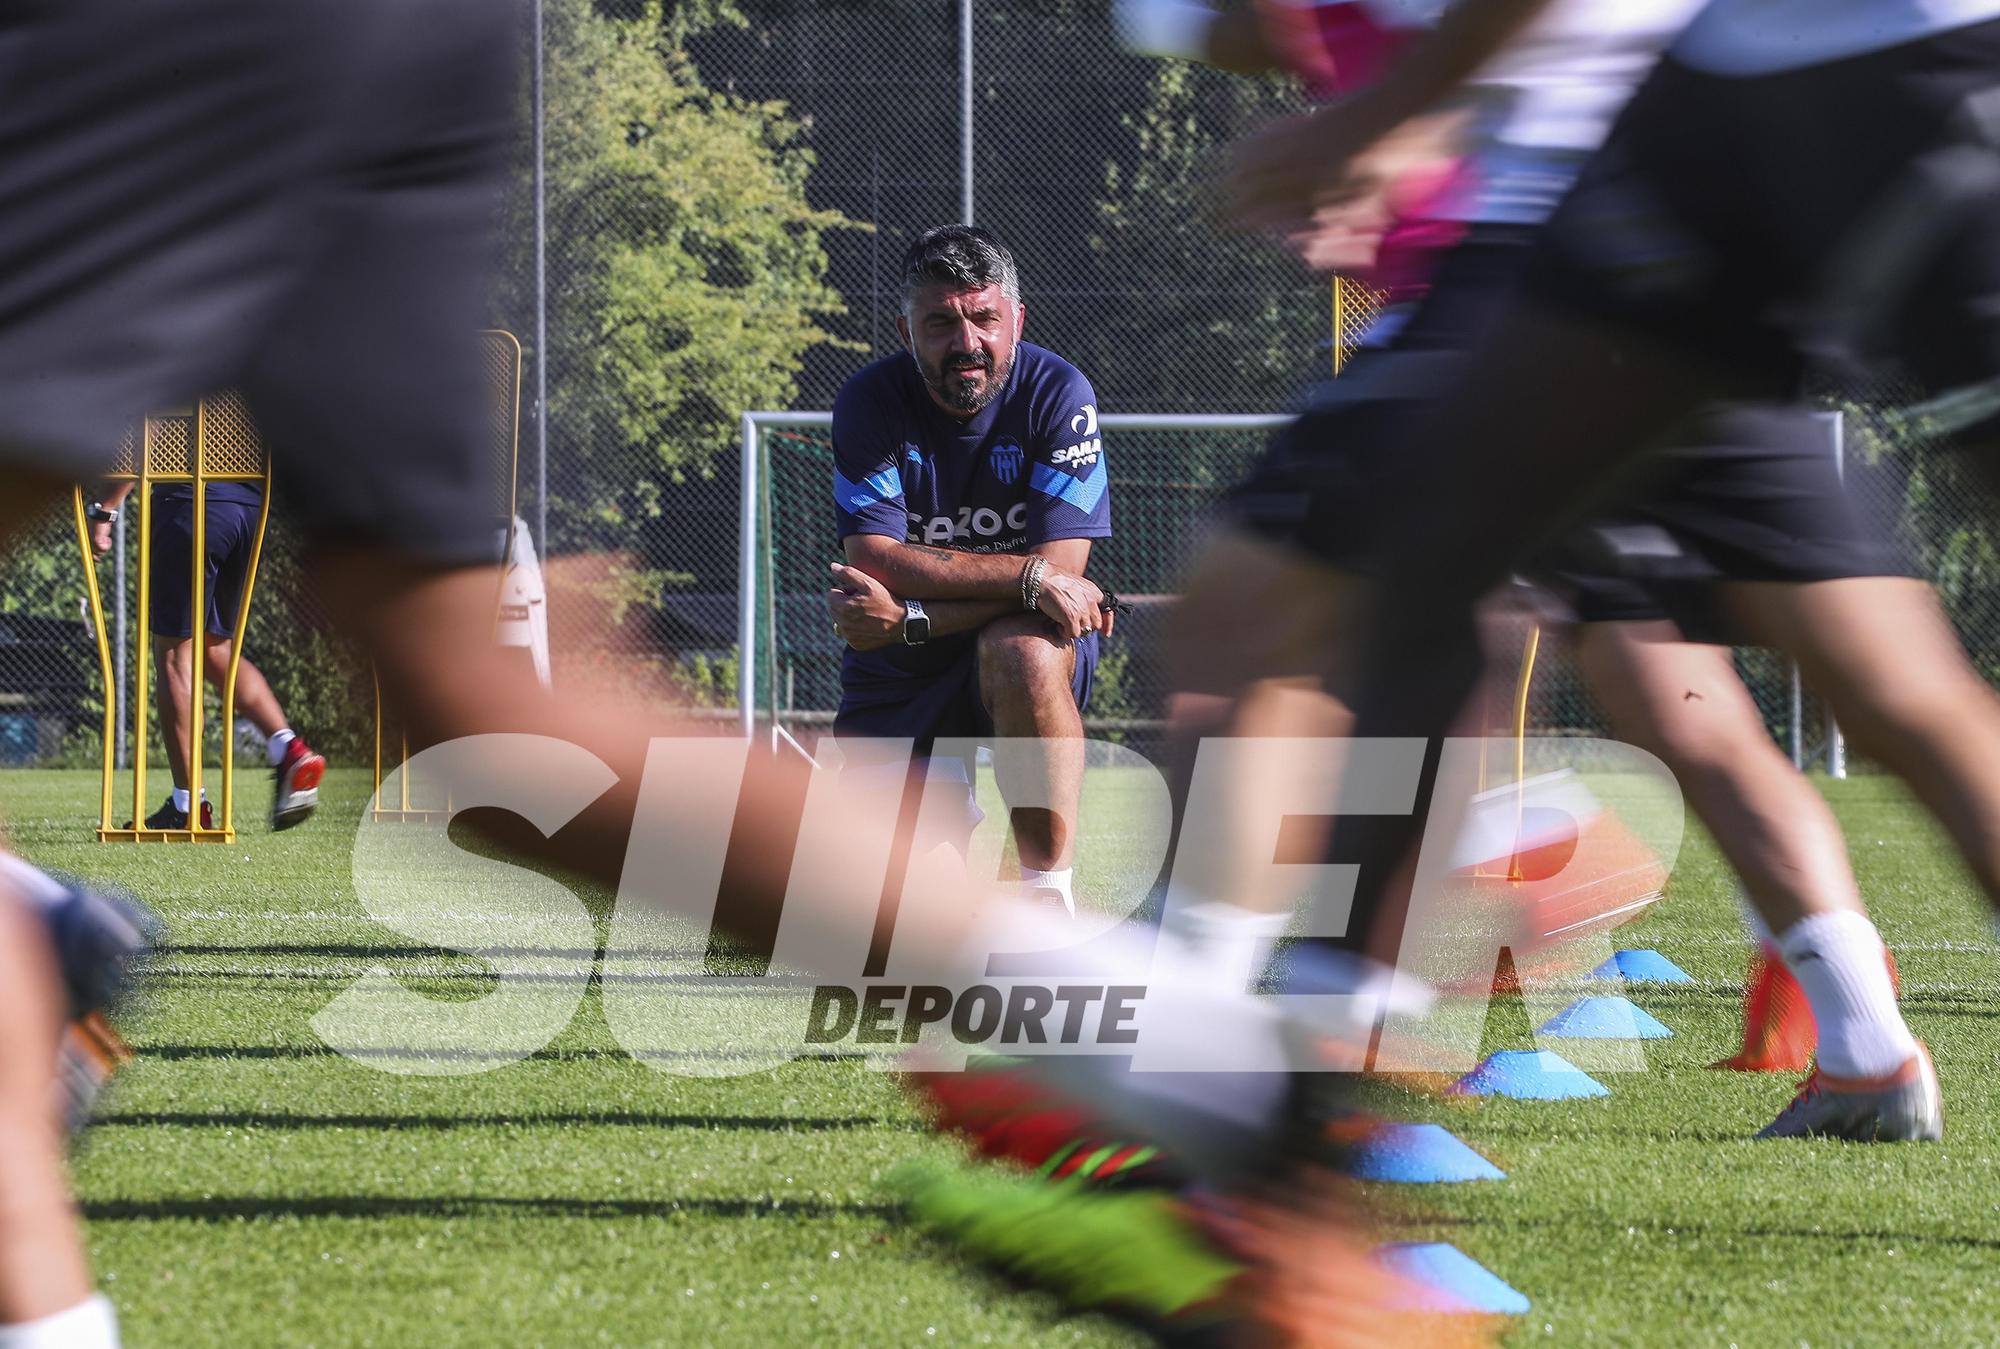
(963, 257)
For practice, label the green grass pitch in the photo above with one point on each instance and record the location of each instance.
(248, 1187)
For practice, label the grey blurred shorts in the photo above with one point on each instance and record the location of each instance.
(292, 199)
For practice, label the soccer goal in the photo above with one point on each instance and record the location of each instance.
(1168, 471)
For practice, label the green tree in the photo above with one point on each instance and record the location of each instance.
(1226, 321)
(1900, 449)
(687, 272)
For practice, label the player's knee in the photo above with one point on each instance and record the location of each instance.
(170, 659)
(1021, 657)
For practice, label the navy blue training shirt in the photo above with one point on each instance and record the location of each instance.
(1027, 468)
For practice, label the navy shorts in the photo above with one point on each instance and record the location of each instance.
(1319, 483)
(1841, 218)
(230, 534)
(293, 200)
(1748, 493)
(1756, 496)
(942, 705)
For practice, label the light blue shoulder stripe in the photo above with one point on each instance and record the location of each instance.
(850, 496)
(1081, 493)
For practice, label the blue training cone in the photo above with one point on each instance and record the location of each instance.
(1604, 1019)
(1446, 1279)
(1420, 1154)
(1528, 1075)
(1642, 967)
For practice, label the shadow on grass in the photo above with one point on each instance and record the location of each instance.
(181, 1052)
(251, 1209)
(1945, 1003)
(704, 982)
(419, 951)
(235, 1119)
(1756, 1232)
(1487, 1127)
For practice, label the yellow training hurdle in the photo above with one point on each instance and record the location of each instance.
(215, 441)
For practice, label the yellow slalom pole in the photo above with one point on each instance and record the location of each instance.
(240, 632)
(197, 617)
(1528, 655)
(1339, 324)
(109, 675)
(375, 797)
(142, 661)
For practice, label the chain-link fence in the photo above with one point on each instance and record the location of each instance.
(52, 695)
(727, 204)
(1168, 473)
(725, 191)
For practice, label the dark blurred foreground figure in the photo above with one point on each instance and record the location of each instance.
(195, 195)
(1757, 485)
(1801, 190)
(292, 200)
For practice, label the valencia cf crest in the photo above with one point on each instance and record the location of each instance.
(1006, 458)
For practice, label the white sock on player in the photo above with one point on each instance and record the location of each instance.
(90, 1324)
(1189, 1023)
(32, 883)
(1063, 882)
(275, 746)
(1839, 960)
(181, 798)
(1170, 28)
(1236, 942)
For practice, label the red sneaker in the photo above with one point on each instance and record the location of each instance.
(1006, 1114)
(296, 794)
(1779, 1035)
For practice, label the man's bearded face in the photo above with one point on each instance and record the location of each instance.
(963, 341)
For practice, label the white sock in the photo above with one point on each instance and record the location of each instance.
(1171, 28)
(1234, 941)
(32, 883)
(1062, 882)
(1201, 1114)
(1381, 991)
(90, 1324)
(181, 799)
(1839, 960)
(275, 746)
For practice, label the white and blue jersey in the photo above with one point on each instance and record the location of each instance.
(1027, 469)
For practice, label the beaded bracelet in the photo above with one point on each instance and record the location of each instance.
(1031, 583)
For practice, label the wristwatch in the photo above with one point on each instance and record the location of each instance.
(101, 514)
(916, 623)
